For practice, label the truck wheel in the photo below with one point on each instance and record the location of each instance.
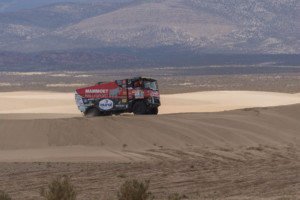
(139, 108)
(92, 112)
(154, 111)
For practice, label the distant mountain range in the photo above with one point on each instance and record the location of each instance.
(144, 27)
(16, 5)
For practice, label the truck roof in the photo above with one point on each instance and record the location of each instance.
(134, 78)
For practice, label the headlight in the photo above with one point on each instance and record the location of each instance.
(85, 101)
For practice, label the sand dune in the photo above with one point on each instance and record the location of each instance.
(37, 103)
(251, 153)
(41, 103)
(215, 101)
(43, 126)
(122, 138)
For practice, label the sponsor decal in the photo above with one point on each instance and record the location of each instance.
(98, 91)
(85, 101)
(139, 94)
(106, 104)
(124, 84)
(114, 92)
(120, 106)
(124, 93)
(79, 104)
(78, 100)
(124, 100)
(119, 82)
(96, 96)
(154, 94)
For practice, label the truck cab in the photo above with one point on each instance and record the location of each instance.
(139, 95)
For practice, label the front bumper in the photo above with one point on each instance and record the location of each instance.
(79, 102)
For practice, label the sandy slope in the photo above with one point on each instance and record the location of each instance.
(48, 126)
(252, 153)
(122, 138)
(49, 104)
(37, 102)
(215, 101)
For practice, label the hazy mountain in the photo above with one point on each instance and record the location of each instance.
(15, 5)
(197, 26)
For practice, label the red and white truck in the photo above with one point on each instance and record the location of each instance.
(139, 95)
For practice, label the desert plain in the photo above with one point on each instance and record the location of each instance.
(229, 78)
(232, 143)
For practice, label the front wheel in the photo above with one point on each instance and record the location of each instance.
(153, 111)
(92, 112)
(139, 108)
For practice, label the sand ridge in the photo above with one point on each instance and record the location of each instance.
(122, 136)
(40, 103)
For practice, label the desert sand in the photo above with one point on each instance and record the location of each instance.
(46, 126)
(18, 105)
(199, 146)
(123, 138)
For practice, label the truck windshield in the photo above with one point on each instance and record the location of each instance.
(150, 85)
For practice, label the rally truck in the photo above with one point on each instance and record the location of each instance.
(139, 95)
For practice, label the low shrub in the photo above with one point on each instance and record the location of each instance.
(60, 188)
(174, 197)
(135, 190)
(4, 196)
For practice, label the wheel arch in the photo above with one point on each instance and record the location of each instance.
(137, 100)
(90, 108)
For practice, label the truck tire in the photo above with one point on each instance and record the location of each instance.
(139, 108)
(153, 111)
(92, 112)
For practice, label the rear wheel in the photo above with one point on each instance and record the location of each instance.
(139, 108)
(92, 112)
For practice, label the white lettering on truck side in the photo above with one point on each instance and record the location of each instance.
(98, 91)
